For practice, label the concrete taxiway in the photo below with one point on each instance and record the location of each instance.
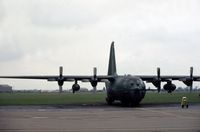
(99, 118)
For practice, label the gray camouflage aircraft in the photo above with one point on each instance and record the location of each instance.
(128, 89)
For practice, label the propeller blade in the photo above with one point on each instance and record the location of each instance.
(159, 80)
(60, 89)
(60, 70)
(159, 88)
(191, 78)
(158, 72)
(191, 72)
(95, 72)
(94, 89)
(191, 87)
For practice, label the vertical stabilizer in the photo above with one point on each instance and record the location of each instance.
(112, 63)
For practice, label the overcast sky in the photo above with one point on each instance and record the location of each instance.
(37, 36)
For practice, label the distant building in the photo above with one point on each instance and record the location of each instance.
(5, 88)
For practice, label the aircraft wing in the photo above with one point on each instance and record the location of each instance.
(29, 77)
(149, 78)
(157, 79)
(61, 77)
(64, 78)
(93, 79)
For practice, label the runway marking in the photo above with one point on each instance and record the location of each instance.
(41, 110)
(39, 117)
(102, 129)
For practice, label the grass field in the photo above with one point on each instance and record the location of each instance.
(50, 98)
(174, 97)
(86, 98)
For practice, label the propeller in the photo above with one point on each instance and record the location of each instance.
(189, 81)
(60, 79)
(94, 79)
(157, 81)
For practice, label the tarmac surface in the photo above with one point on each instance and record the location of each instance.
(146, 118)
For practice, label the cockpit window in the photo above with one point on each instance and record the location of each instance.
(132, 83)
(138, 83)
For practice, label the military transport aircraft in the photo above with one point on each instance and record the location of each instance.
(128, 89)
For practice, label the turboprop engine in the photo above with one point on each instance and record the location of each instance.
(75, 87)
(169, 87)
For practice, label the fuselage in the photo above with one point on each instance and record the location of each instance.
(127, 89)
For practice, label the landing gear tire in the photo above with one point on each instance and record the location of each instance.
(125, 103)
(109, 101)
(135, 104)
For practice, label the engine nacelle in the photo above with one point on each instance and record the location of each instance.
(75, 87)
(60, 82)
(169, 87)
(94, 83)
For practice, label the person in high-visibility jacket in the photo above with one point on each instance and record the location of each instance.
(184, 102)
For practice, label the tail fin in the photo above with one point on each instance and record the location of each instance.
(112, 63)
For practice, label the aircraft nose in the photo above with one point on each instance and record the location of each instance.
(134, 86)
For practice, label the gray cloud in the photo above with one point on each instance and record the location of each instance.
(39, 35)
(10, 52)
(1, 11)
(63, 14)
